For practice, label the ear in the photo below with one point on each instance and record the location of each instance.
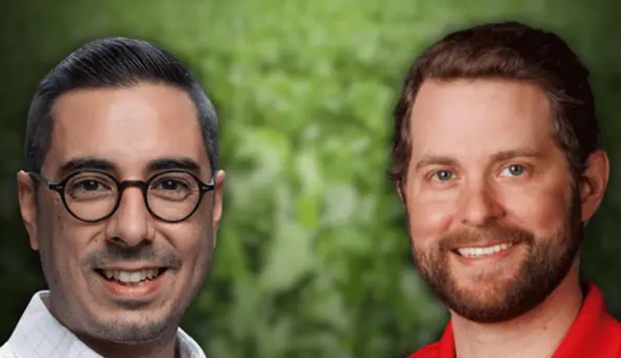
(399, 186)
(593, 183)
(217, 205)
(26, 190)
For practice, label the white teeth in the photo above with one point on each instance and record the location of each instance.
(149, 273)
(482, 251)
(134, 277)
(131, 276)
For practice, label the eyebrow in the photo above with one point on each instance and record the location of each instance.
(497, 157)
(86, 163)
(157, 165)
(509, 154)
(435, 160)
(182, 163)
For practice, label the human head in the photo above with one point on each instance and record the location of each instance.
(113, 63)
(130, 109)
(480, 98)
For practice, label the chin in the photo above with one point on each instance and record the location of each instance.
(131, 330)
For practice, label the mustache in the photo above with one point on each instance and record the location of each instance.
(145, 252)
(491, 233)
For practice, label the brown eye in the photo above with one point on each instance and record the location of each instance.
(89, 186)
(171, 185)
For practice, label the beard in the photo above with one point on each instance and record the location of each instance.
(497, 299)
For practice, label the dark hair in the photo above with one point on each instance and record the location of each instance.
(514, 51)
(113, 63)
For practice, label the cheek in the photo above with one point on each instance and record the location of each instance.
(541, 212)
(194, 243)
(192, 239)
(70, 243)
(428, 220)
(60, 249)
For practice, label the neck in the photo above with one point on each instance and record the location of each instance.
(535, 334)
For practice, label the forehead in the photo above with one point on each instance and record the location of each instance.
(127, 126)
(479, 116)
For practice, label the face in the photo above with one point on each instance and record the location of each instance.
(132, 134)
(493, 217)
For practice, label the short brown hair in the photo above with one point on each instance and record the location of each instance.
(513, 51)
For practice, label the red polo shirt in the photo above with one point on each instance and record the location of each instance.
(594, 333)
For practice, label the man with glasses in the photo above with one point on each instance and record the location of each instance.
(122, 198)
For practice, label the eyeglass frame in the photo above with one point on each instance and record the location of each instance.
(60, 188)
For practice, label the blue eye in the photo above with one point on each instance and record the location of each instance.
(514, 170)
(443, 175)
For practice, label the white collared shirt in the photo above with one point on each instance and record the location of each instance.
(39, 335)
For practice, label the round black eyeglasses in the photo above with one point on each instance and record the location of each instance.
(93, 196)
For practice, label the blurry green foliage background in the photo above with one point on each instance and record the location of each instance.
(312, 257)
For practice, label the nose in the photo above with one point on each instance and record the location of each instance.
(131, 224)
(479, 204)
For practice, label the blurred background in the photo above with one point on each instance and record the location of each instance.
(312, 257)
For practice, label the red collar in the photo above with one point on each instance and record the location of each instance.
(594, 333)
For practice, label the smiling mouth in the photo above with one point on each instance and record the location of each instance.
(474, 252)
(131, 278)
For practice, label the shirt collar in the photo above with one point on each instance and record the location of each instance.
(594, 333)
(39, 334)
